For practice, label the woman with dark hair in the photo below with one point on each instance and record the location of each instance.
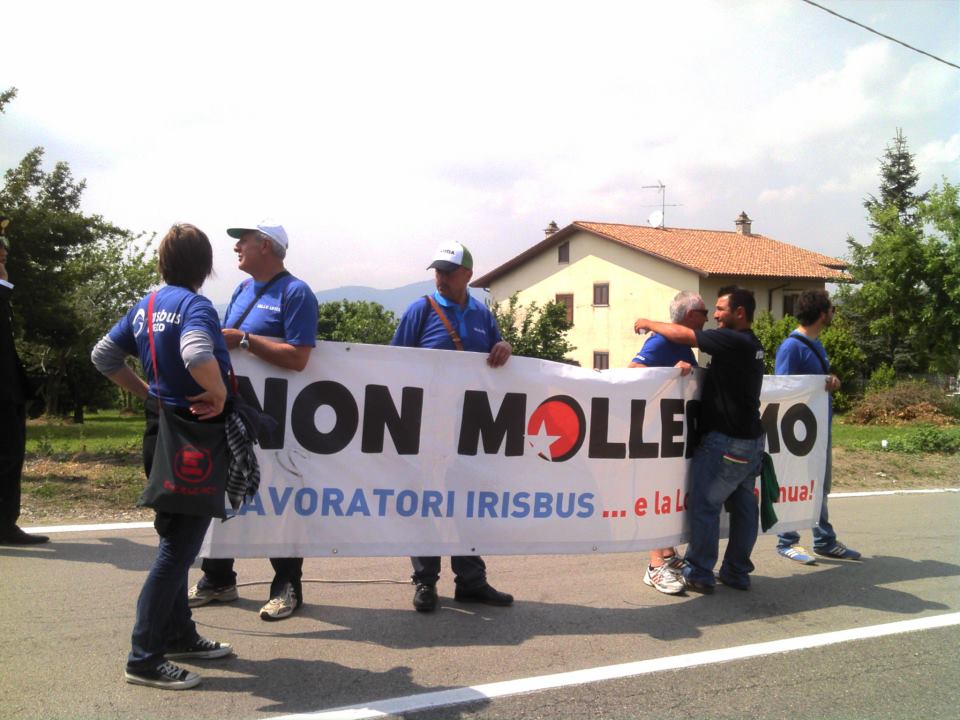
(193, 367)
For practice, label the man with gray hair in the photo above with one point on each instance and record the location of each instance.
(664, 573)
(272, 315)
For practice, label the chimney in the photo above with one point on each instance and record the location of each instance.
(551, 228)
(743, 224)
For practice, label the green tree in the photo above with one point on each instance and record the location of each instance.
(75, 274)
(898, 178)
(534, 331)
(940, 319)
(896, 272)
(771, 333)
(356, 321)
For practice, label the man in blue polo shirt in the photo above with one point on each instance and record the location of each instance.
(272, 315)
(803, 354)
(664, 572)
(450, 319)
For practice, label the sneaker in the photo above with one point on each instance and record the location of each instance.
(676, 563)
(733, 582)
(797, 554)
(281, 605)
(200, 650)
(698, 586)
(166, 677)
(197, 596)
(425, 598)
(15, 536)
(485, 594)
(838, 551)
(664, 579)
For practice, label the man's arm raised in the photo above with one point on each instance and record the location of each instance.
(671, 331)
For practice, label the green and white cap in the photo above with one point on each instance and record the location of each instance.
(450, 256)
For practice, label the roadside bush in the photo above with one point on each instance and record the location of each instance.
(883, 378)
(907, 401)
(927, 440)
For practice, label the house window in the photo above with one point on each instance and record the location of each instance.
(567, 300)
(790, 303)
(601, 360)
(563, 252)
(601, 293)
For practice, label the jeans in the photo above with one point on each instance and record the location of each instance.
(824, 536)
(163, 616)
(470, 570)
(723, 474)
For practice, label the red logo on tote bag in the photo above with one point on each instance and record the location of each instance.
(193, 464)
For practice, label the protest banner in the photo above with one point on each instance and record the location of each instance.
(400, 451)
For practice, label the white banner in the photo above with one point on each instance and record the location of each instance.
(399, 451)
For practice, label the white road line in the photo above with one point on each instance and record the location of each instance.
(53, 529)
(459, 696)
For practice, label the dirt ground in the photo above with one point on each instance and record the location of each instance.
(105, 489)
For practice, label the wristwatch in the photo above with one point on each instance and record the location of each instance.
(245, 342)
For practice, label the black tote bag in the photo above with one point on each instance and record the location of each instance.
(191, 460)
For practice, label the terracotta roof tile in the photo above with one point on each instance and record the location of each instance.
(707, 252)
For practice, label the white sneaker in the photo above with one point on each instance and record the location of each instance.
(199, 596)
(281, 605)
(664, 579)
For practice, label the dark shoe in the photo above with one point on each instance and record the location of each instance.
(732, 582)
(202, 649)
(166, 677)
(485, 594)
(699, 587)
(16, 536)
(425, 598)
(838, 552)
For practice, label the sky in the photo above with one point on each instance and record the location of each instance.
(374, 131)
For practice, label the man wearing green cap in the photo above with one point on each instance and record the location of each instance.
(450, 319)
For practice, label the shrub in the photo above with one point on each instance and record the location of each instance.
(883, 378)
(927, 440)
(906, 401)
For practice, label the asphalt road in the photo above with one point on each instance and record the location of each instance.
(68, 610)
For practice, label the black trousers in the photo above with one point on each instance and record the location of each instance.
(470, 570)
(13, 445)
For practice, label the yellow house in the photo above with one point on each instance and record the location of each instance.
(609, 274)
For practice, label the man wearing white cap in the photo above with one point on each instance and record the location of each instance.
(273, 315)
(450, 319)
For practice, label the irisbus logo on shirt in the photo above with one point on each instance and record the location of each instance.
(161, 318)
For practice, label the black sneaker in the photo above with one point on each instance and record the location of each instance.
(166, 677)
(699, 587)
(425, 598)
(485, 594)
(733, 582)
(15, 536)
(201, 649)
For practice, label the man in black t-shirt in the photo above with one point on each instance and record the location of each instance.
(727, 460)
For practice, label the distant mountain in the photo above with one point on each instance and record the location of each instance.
(394, 299)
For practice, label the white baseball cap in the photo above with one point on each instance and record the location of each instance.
(450, 256)
(270, 228)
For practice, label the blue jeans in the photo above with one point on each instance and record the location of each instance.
(163, 616)
(723, 474)
(824, 536)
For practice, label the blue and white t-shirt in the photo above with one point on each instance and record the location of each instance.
(287, 310)
(176, 310)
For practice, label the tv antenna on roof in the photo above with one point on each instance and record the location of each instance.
(656, 218)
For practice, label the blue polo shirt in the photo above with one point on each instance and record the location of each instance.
(176, 310)
(657, 351)
(287, 310)
(420, 327)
